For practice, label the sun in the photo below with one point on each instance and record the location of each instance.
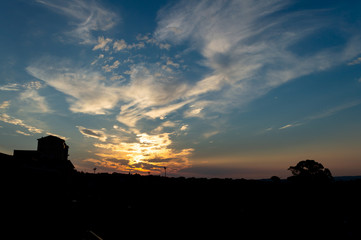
(148, 154)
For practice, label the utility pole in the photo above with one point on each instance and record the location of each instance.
(94, 169)
(165, 171)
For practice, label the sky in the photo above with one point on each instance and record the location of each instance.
(215, 89)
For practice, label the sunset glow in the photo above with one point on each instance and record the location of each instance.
(149, 154)
(237, 88)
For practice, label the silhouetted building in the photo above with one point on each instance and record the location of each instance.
(53, 148)
(51, 155)
(6, 161)
(26, 154)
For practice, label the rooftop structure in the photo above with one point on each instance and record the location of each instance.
(51, 154)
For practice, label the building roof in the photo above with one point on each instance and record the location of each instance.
(52, 138)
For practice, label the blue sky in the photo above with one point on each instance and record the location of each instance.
(205, 88)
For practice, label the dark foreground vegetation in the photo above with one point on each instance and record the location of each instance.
(44, 197)
(50, 205)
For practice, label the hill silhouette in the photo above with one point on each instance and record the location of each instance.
(47, 204)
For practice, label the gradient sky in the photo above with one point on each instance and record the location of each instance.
(240, 89)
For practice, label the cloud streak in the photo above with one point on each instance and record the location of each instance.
(35, 102)
(86, 90)
(18, 122)
(324, 114)
(5, 104)
(93, 133)
(249, 46)
(84, 16)
(146, 94)
(243, 48)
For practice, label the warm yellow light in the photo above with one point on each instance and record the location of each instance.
(152, 150)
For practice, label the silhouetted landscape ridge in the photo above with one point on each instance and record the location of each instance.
(47, 198)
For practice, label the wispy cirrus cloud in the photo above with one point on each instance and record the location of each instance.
(86, 90)
(23, 133)
(355, 61)
(10, 87)
(250, 47)
(35, 102)
(109, 68)
(4, 104)
(323, 114)
(334, 110)
(93, 133)
(19, 87)
(29, 95)
(102, 43)
(85, 17)
(161, 112)
(18, 122)
(151, 95)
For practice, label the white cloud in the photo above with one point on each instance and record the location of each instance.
(18, 122)
(35, 102)
(171, 63)
(101, 56)
(129, 115)
(10, 87)
(164, 46)
(168, 124)
(286, 126)
(119, 45)
(86, 90)
(102, 43)
(184, 127)
(208, 84)
(116, 77)
(29, 95)
(148, 90)
(150, 95)
(110, 68)
(324, 114)
(334, 110)
(193, 112)
(210, 134)
(197, 109)
(249, 46)
(23, 133)
(86, 16)
(93, 133)
(164, 111)
(4, 104)
(136, 45)
(355, 62)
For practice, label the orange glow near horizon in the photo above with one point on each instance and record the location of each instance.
(149, 154)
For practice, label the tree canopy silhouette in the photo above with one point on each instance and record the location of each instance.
(310, 170)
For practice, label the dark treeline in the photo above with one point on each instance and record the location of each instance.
(51, 205)
(44, 197)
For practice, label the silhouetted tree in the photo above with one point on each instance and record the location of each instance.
(310, 171)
